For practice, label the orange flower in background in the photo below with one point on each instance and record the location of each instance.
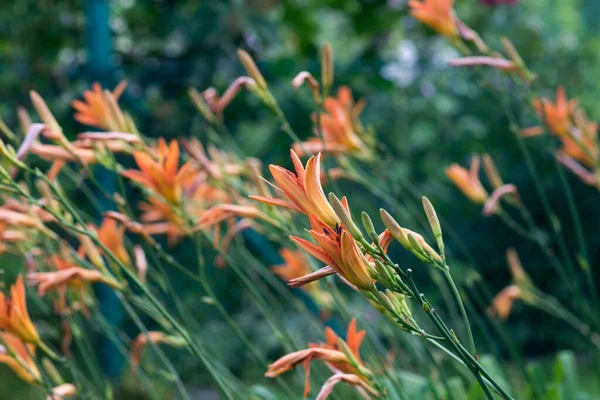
(503, 302)
(330, 352)
(520, 289)
(162, 176)
(339, 126)
(558, 115)
(17, 356)
(468, 181)
(112, 235)
(294, 265)
(437, 14)
(14, 317)
(584, 150)
(100, 109)
(338, 249)
(303, 189)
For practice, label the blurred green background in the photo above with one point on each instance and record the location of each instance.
(427, 114)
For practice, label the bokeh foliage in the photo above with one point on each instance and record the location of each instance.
(427, 114)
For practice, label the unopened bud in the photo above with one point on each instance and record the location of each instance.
(394, 228)
(414, 244)
(345, 217)
(326, 66)
(383, 271)
(252, 69)
(434, 222)
(491, 172)
(368, 225)
(343, 346)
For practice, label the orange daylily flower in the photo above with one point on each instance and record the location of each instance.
(468, 181)
(100, 109)
(329, 352)
(437, 14)
(162, 176)
(339, 127)
(558, 115)
(17, 356)
(294, 265)
(14, 317)
(338, 249)
(503, 302)
(585, 151)
(303, 189)
(112, 235)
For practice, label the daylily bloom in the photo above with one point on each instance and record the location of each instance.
(297, 266)
(503, 302)
(468, 181)
(17, 356)
(294, 265)
(303, 189)
(330, 352)
(14, 317)
(558, 115)
(338, 249)
(100, 109)
(162, 176)
(583, 149)
(340, 128)
(112, 235)
(437, 14)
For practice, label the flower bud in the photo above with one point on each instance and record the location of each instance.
(368, 225)
(345, 217)
(326, 66)
(434, 222)
(252, 69)
(394, 228)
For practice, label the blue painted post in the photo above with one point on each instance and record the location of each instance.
(99, 68)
